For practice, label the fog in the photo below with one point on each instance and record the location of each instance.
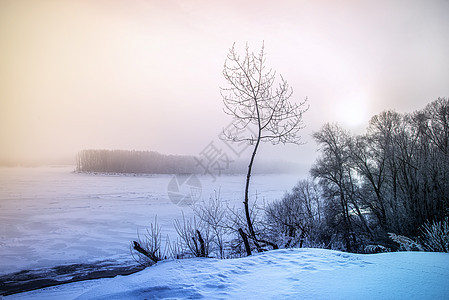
(145, 75)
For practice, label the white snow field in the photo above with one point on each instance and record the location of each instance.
(50, 216)
(278, 274)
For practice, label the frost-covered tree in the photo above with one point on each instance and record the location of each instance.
(393, 179)
(296, 220)
(260, 101)
(336, 175)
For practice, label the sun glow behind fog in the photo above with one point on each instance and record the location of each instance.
(352, 113)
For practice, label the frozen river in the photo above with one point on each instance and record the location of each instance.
(51, 216)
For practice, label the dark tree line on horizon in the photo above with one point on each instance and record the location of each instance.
(151, 162)
(126, 161)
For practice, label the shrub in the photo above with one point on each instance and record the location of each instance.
(405, 243)
(149, 247)
(435, 235)
(295, 220)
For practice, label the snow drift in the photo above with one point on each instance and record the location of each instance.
(278, 274)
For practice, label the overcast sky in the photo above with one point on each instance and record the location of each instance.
(145, 75)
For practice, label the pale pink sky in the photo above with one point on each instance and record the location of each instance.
(145, 75)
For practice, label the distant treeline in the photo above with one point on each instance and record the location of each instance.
(151, 162)
(125, 161)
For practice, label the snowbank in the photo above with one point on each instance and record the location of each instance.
(279, 274)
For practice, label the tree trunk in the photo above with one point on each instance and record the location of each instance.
(202, 245)
(252, 234)
(245, 241)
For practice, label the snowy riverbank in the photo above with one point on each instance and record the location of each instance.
(279, 274)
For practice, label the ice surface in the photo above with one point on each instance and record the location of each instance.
(278, 274)
(52, 216)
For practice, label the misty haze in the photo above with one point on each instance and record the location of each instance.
(247, 149)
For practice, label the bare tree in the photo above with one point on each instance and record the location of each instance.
(392, 179)
(335, 174)
(259, 102)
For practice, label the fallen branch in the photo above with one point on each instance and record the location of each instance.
(151, 256)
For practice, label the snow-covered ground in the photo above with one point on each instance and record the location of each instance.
(51, 216)
(278, 274)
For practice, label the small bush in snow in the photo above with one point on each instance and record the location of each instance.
(376, 249)
(194, 237)
(435, 235)
(148, 248)
(295, 220)
(215, 218)
(405, 243)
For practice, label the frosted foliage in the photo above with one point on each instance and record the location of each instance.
(406, 243)
(435, 236)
